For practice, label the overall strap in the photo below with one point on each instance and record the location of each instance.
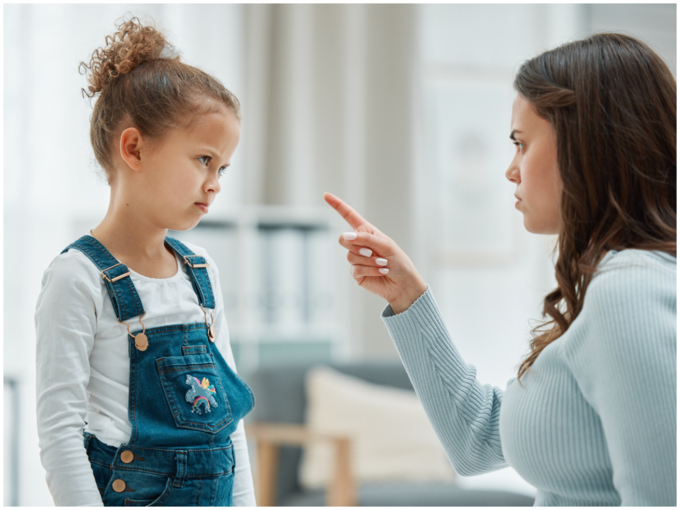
(196, 269)
(124, 298)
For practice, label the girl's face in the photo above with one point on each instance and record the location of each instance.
(534, 169)
(177, 178)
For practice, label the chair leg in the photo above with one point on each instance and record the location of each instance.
(267, 467)
(342, 489)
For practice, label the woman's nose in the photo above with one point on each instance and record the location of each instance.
(512, 173)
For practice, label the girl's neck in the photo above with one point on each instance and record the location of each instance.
(137, 243)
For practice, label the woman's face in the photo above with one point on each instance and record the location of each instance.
(177, 178)
(534, 169)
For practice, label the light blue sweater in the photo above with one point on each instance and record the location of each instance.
(595, 423)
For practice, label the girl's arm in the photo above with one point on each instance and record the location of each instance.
(244, 492)
(65, 320)
(626, 367)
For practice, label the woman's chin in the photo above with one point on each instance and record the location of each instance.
(539, 227)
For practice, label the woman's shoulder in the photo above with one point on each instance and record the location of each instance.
(635, 258)
(632, 285)
(630, 302)
(627, 272)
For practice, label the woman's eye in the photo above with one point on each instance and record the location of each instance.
(221, 171)
(519, 145)
(207, 158)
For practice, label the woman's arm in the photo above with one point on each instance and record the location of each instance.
(464, 413)
(65, 321)
(626, 367)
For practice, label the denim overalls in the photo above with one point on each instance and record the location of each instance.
(184, 402)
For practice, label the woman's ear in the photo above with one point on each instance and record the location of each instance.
(131, 142)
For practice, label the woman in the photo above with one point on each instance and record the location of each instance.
(591, 417)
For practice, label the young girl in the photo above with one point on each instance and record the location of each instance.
(593, 420)
(137, 395)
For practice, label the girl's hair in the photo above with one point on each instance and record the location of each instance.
(138, 87)
(612, 102)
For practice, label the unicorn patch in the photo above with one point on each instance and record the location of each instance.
(200, 394)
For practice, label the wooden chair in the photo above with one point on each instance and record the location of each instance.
(269, 437)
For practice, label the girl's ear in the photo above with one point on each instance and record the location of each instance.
(131, 142)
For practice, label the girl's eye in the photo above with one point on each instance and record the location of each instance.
(519, 145)
(207, 159)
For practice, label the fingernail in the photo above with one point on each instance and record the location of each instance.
(381, 262)
(384, 270)
(366, 252)
(350, 235)
(351, 270)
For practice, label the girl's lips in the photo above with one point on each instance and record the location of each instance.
(202, 207)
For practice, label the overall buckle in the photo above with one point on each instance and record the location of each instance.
(192, 265)
(117, 277)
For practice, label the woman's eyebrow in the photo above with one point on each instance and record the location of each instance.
(512, 134)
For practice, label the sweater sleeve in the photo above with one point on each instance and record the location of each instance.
(626, 368)
(65, 321)
(464, 413)
(244, 491)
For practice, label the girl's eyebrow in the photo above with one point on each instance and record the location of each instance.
(212, 152)
(512, 134)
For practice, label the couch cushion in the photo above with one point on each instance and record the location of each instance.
(392, 439)
(416, 494)
(280, 398)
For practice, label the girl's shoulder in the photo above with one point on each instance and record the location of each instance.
(73, 265)
(199, 250)
(70, 279)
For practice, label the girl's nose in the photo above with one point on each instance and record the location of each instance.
(213, 185)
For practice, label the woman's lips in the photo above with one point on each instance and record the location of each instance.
(202, 207)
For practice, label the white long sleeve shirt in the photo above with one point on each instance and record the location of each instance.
(83, 368)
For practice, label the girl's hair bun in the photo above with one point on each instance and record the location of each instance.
(132, 45)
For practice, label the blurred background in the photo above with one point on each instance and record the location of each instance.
(401, 110)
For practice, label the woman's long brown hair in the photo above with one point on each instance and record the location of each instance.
(612, 103)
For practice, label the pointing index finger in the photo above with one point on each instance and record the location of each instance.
(348, 214)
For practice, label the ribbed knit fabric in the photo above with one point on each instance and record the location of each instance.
(594, 422)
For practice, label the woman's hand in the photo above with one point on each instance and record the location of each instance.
(378, 264)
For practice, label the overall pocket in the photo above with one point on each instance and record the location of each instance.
(140, 489)
(151, 495)
(194, 392)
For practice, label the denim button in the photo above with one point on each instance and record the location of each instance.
(118, 485)
(141, 342)
(127, 456)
